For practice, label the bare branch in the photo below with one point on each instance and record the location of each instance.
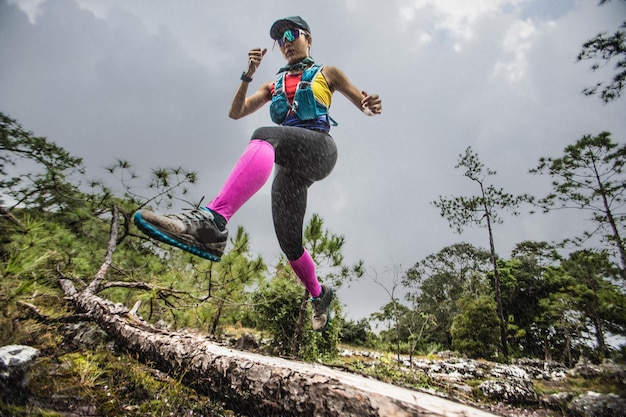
(6, 213)
(33, 312)
(123, 284)
(108, 258)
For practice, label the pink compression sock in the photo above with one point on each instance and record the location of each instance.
(304, 267)
(249, 174)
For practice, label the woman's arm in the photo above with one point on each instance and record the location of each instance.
(338, 81)
(242, 105)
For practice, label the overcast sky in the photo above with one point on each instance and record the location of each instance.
(152, 81)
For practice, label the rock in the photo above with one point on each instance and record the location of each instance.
(246, 342)
(607, 369)
(511, 385)
(614, 371)
(511, 391)
(540, 369)
(586, 369)
(593, 404)
(446, 354)
(14, 363)
(463, 389)
(162, 324)
(85, 335)
(558, 401)
(509, 371)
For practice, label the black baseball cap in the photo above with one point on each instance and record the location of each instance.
(281, 25)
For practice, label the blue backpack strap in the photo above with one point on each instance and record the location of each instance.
(280, 106)
(310, 73)
(305, 82)
(278, 84)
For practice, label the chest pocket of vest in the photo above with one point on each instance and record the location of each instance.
(304, 102)
(279, 108)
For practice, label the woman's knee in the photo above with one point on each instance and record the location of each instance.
(263, 133)
(292, 251)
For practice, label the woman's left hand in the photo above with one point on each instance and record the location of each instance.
(371, 104)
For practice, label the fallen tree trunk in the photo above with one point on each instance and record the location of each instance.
(258, 385)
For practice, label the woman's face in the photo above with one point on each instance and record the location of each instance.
(296, 49)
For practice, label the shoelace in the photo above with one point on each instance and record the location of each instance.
(193, 215)
(196, 206)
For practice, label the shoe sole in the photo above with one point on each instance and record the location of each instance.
(157, 234)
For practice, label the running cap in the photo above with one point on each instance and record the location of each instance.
(280, 26)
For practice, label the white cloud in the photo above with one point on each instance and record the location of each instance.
(30, 7)
(516, 44)
(457, 18)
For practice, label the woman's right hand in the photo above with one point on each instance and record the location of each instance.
(254, 60)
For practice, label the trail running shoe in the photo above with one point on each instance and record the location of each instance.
(321, 309)
(193, 231)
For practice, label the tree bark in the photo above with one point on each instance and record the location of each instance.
(597, 321)
(611, 219)
(496, 279)
(258, 385)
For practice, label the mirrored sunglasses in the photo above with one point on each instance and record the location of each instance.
(290, 36)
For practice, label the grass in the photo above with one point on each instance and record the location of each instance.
(30, 411)
(578, 385)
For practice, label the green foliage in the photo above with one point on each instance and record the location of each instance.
(590, 176)
(482, 209)
(523, 286)
(276, 305)
(602, 384)
(276, 308)
(601, 49)
(26, 263)
(326, 250)
(600, 303)
(166, 185)
(559, 320)
(28, 411)
(405, 334)
(391, 315)
(436, 283)
(219, 290)
(556, 308)
(472, 330)
(357, 333)
(41, 178)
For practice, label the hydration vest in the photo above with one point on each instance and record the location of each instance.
(304, 105)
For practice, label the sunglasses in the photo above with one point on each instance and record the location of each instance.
(290, 36)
